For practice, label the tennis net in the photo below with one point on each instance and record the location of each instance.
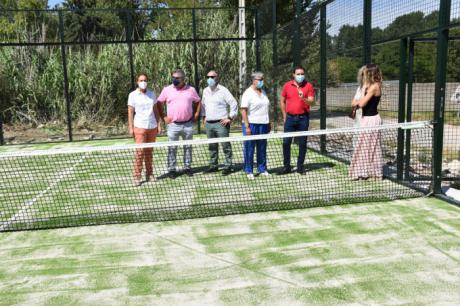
(96, 185)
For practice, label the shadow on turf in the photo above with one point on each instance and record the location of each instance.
(239, 167)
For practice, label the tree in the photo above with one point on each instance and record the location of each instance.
(27, 26)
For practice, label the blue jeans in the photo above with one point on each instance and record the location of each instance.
(250, 146)
(295, 124)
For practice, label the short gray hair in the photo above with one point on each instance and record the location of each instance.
(180, 71)
(257, 75)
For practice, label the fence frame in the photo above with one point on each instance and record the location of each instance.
(129, 41)
(406, 73)
(406, 76)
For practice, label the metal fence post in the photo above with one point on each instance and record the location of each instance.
(410, 80)
(257, 32)
(296, 33)
(275, 64)
(2, 139)
(440, 93)
(401, 106)
(367, 32)
(66, 80)
(323, 78)
(195, 61)
(129, 38)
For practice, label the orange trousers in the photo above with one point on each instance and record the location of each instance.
(144, 155)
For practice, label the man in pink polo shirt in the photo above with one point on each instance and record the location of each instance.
(180, 99)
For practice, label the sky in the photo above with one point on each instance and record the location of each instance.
(52, 3)
(342, 12)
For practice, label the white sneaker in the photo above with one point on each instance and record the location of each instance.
(150, 178)
(265, 174)
(136, 182)
(250, 176)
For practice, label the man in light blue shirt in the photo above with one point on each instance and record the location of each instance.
(219, 109)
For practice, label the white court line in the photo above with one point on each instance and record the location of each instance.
(20, 214)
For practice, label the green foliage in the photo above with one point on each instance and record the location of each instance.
(99, 76)
(347, 43)
(387, 57)
(345, 68)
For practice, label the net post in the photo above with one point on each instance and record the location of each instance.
(257, 34)
(296, 33)
(440, 92)
(367, 30)
(401, 106)
(410, 80)
(66, 80)
(129, 39)
(323, 77)
(195, 62)
(275, 65)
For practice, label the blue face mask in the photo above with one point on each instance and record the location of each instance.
(260, 84)
(299, 78)
(176, 82)
(211, 82)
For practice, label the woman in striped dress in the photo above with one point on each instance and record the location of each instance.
(367, 159)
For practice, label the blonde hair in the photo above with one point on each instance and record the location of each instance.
(360, 76)
(372, 74)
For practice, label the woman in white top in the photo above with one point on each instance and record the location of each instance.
(143, 125)
(254, 110)
(359, 94)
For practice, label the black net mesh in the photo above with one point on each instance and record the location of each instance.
(455, 11)
(32, 104)
(394, 19)
(451, 149)
(82, 186)
(344, 36)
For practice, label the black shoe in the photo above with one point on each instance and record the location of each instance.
(172, 174)
(188, 172)
(285, 170)
(211, 170)
(227, 171)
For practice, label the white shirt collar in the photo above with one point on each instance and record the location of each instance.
(217, 88)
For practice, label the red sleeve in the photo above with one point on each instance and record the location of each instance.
(310, 90)
(284, 91)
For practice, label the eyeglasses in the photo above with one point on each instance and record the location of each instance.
(211, 76)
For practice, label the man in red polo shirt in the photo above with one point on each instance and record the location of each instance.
(296, 98)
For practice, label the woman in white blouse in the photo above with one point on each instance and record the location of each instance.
(143, 126)
(254, 110)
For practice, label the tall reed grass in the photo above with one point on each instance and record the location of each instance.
(32, 83)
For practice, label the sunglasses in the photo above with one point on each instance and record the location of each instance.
(211, 76)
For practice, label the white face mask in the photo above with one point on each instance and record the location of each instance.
(142, 85)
